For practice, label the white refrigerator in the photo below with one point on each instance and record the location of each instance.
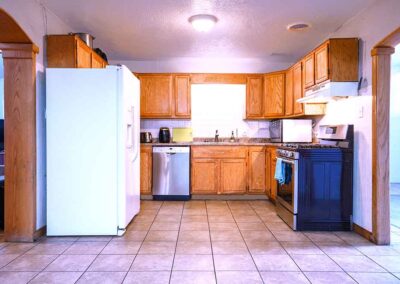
(93, 155)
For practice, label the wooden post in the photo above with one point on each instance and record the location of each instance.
(380, 144)
(20, 140)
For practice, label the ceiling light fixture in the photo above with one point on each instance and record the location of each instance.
(203, 22)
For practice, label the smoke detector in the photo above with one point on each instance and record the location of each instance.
(298, 27)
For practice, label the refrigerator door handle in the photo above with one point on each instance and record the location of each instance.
(134, 138)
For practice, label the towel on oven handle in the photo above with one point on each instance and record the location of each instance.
(280, 171)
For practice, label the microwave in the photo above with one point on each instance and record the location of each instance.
(291, 130)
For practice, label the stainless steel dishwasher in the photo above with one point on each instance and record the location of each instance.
(171, 173)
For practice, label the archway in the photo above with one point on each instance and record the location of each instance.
(19, 55)
(380, 137)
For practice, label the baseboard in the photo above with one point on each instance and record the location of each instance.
(40, 233)
(363, 232)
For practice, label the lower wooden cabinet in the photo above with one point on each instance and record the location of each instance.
(233, 176)
(270, 164)
(205, 176)
(257, 173)
(146, 166)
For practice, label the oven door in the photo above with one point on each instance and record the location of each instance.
(287, 194)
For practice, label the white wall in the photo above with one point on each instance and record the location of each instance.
(37, 22)
(395, 118)
(371, 25)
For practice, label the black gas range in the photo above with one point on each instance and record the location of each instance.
(316, 187)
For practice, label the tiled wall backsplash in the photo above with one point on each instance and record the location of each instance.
(254, 129)
(215, 106)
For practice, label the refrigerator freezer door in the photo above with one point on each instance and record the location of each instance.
(129, 147)
(81, 117)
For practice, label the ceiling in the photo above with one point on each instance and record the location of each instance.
(159, 29)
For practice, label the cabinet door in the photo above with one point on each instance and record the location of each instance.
(309, 79)
(289, 92)
(83, 55)
(257, 169)
(145, 170)
(268, 172)
(205, 176)
(97, 61)
(297, 88)
(254, 97)
(182, 96)
(322, 63)
(156, 96)
(274, 183)
(233, 176)
(274, 95)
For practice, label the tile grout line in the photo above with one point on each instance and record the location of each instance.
(176, 243)
(130, 267)
(211, 243)
(244, 240)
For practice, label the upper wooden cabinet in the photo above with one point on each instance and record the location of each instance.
(156, 96)
(165, 96)
(335, 60)
(69, 51)
(321, 63)
(289, 92)
(274, 94)
(309, 79)
(182, 96)
(254, 97)
(298, 88)
(257, 172)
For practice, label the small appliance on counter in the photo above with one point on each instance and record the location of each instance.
(146, 137)
(315, 181)
(164, 135)
(291, 130)
(182, 134)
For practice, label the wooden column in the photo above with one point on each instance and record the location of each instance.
(380, 144)
(20, 140)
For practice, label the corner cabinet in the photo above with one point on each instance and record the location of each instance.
(69, 51)
(271, 183)
(165, 96)
(257, 169)
(146, 167)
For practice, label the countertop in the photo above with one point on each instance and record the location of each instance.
(223, 142)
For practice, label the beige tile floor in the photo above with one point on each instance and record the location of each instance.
(203, 242)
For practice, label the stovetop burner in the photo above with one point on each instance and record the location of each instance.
(296, 146)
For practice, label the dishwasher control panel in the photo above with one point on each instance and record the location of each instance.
(168, 149)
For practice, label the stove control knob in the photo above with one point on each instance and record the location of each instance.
(290, 154)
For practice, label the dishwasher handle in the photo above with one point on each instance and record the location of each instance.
(171, 150)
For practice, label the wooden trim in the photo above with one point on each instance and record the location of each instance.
(211, 78)
(20, 141)
(362, 232)
(391, 40)
(40, 233)
(10, 31)
(380, 144)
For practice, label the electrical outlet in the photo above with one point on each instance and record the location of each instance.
(360, 112)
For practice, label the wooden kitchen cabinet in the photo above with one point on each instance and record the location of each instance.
(165, 96)
(233, 176)
(254, 97)
(309, 79)
(289, 92)
(321, 63)
(205, 176)
(274, 94)
(298, 88)
(182, 96)
(69, 51)
(146, 167)
(156, 96)
(218, 169)
(271, 182)
(256, 169)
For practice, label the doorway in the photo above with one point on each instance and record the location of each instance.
(394, 139)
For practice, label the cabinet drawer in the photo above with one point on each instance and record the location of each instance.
(236, 152)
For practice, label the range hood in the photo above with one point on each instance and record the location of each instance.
(328, 91)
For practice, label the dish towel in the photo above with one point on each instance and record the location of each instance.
(288, 173)
(280, 171)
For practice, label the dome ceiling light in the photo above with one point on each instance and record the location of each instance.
(203, 22)
(298, 27)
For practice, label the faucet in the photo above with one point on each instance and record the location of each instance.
(216, 138)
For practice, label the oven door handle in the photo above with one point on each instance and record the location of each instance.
(293, 162)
